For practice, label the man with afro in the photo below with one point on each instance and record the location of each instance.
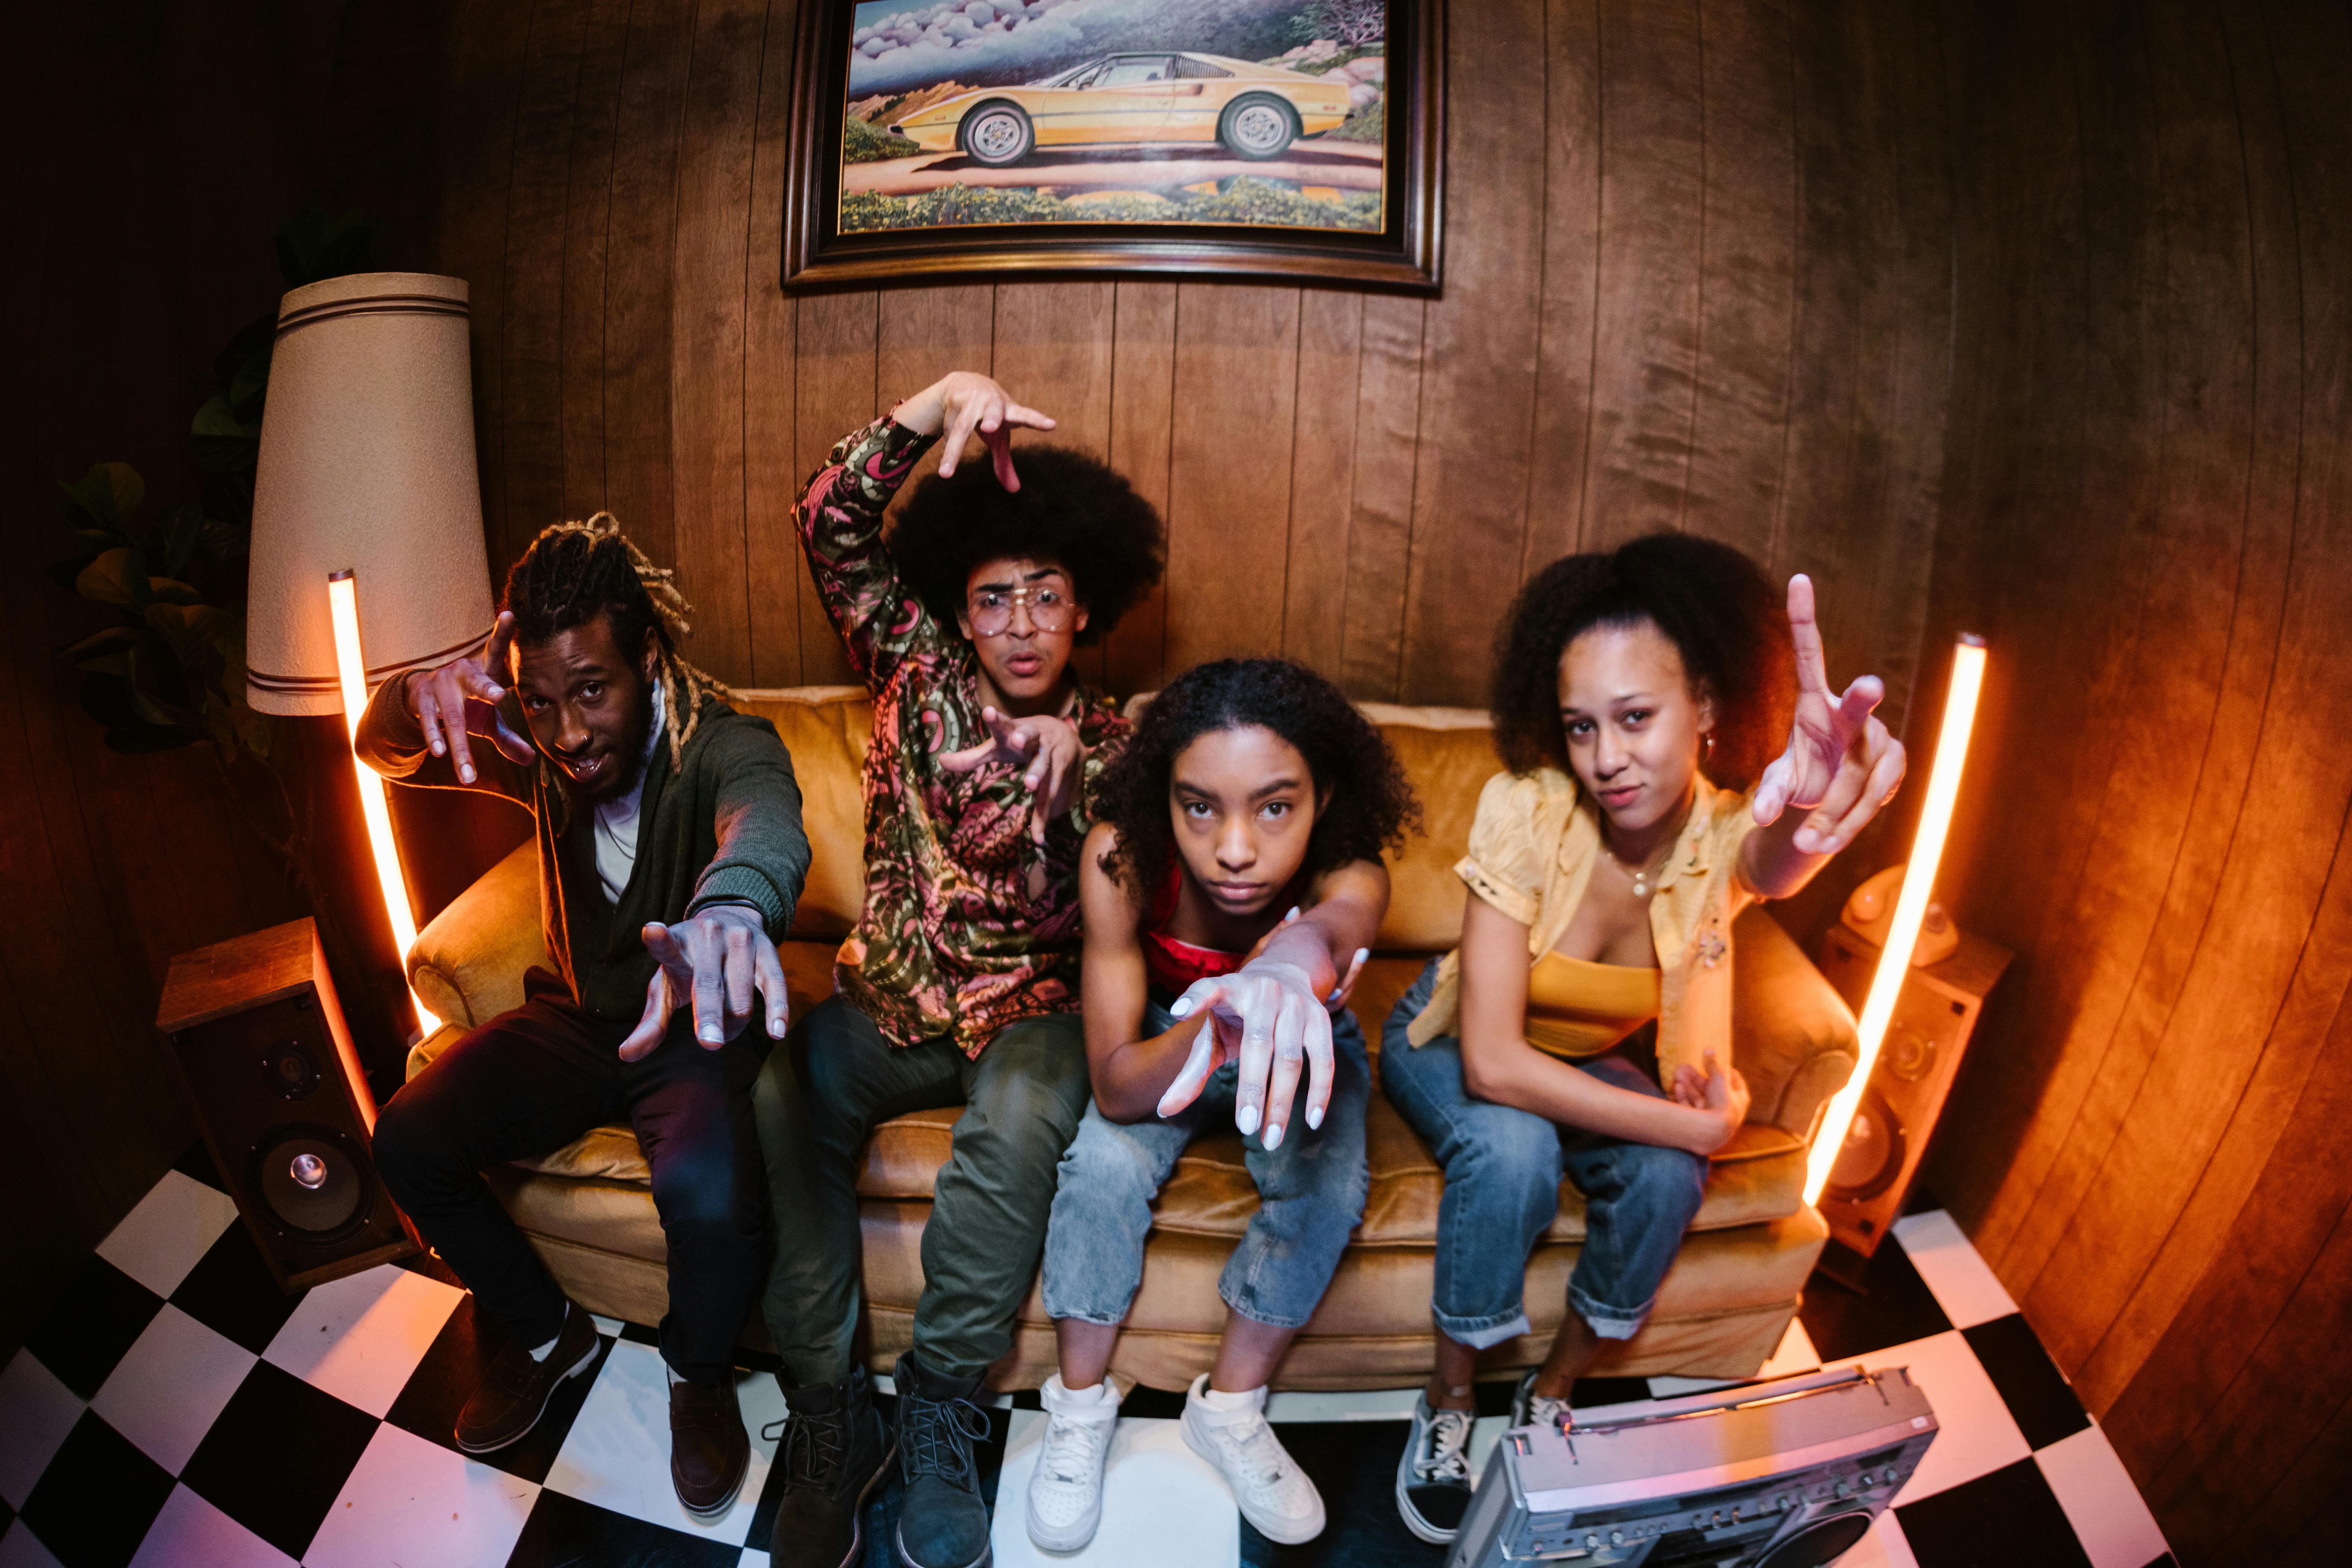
(959, 986)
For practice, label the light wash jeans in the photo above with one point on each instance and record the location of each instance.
(1503, 1168)
(1310, 1194)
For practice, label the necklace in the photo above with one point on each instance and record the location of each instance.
(1640, 874)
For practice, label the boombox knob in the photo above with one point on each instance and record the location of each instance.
(308, 1170)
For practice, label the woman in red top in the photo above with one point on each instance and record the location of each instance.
(1234, 870)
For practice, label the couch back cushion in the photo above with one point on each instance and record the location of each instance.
(1447, 752)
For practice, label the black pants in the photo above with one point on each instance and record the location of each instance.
(529, 1082)
(820, 1097)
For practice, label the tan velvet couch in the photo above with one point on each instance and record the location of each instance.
(1720, 1312)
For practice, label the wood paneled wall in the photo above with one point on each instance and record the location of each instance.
(2149, 511)
(1697, 263)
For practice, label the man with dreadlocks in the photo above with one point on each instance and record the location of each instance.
(670, 855)
(959, 986)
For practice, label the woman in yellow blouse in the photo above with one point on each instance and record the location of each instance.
(1584, 1024)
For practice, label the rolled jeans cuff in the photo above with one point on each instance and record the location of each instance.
(1252, 1310)
(1480, 1333)
(1609, 1322)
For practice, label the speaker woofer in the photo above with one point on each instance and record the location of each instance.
(313, 1181)
(1872, 1156)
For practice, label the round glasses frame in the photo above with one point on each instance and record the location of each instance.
(991, 612)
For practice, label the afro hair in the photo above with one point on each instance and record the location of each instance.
(1071, 510)
(1368, 806)
(1714, 604)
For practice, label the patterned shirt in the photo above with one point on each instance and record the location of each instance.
(950, 942)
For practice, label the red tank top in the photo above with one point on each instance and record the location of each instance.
(1174, 965)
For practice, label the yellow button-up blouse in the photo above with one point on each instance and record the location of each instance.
(1532, 849)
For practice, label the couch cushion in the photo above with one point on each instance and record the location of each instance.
(826, 729)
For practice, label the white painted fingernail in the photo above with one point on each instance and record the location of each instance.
(466, 773)
(1273, 1138)
(1363, 953)
(1314, 1119)
(439, 749)
(1293, 914)
(1183, 1008)
(1247, 1119)
(710, 1034)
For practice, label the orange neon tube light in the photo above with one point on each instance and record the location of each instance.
(351, 668)
(1910, 906)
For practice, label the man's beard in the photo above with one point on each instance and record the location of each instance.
(630, 757)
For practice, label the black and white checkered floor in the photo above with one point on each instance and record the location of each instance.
(176, 1411)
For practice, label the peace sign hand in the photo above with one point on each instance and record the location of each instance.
(1841, 765)
(1048, 747)
(965, 403)
(444, 702)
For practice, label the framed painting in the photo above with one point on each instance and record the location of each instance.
(1274, 139)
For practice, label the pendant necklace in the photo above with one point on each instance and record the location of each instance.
(1640, 874)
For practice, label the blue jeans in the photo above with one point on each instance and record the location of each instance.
(1310, 1193)
(1503, 1167)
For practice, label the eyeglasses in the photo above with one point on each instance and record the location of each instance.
(991, 610)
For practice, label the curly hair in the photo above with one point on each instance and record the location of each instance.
(1368, 805)
(1713, 603)
(574, 572)
(1071, 510)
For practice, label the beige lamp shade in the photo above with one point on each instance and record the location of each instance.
(367, 467)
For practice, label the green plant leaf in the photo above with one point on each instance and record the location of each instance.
(173, 540)
(99, 645)
(117, 576)
(172, 591)
(99, 503)
(222, 442)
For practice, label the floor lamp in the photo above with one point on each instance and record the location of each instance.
(367, 558)
(1910, 905)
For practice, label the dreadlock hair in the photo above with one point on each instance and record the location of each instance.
(1714, 604)
(1365, 805)
(574, 572)
(1071, 510)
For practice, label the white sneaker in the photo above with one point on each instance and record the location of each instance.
(1274, 1493)
(1066, 1488)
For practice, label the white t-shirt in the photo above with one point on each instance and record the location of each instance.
(616, 820)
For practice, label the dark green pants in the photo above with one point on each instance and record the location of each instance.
(816, 1101)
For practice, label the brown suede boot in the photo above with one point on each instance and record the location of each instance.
(709, 1449)
(515, 1390)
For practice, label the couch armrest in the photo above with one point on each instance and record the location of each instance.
(1792, 1035)
(468, 965)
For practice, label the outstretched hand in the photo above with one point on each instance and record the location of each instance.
(449, 702)
(964, 404)
(713, 961)
(1840, 764)
(1267, 1017)
(1048, 747)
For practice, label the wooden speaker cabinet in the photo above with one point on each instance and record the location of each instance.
(257, 1041)
(1934, 1013)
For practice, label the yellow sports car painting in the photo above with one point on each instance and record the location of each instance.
(1253, 111)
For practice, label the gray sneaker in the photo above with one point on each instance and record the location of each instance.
(1433, 1480)
(1529, 1408)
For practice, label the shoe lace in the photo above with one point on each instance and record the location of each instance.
(1445, 1443)
(813, 1448)
(1543, 1410)
(938, 1435)
(1070, 1448)
(1263, 1461)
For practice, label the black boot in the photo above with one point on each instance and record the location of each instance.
(833, 1453)
(944, 1523)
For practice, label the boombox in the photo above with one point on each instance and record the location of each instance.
(1787, 1474)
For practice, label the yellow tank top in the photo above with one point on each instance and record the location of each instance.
(1577, 1008)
